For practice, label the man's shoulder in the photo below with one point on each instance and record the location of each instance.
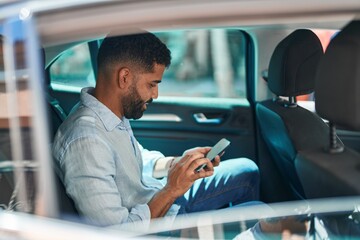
(83, 119)
(81, 123)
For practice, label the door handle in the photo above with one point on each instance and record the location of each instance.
(202, 119)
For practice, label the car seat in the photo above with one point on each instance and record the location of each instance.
(332, 169)
(56, 113)
(56, 116)
(286, 127)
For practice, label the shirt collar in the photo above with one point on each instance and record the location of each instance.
(107, 117)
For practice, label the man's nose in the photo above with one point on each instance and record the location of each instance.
(155, 92)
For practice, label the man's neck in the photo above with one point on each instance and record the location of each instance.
(109, 99)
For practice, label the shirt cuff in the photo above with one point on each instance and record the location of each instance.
(161, 167)
(141, 210)
(138, 220)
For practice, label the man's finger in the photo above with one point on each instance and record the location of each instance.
(199, 162)
(203, 174)
(187, 160)
(216, 161)
(221, 154)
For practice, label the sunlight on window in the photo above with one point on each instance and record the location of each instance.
(73, 70)
(205, 63)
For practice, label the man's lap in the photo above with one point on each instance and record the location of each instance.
(234, 181)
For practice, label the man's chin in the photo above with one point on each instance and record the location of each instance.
(138, 116)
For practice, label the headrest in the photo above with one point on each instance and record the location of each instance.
(338, 79)
(293, 64)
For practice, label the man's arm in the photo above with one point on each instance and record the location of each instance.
(163, 164)
(175, 166)
(88, 170)
(155, 164)
(181, 177)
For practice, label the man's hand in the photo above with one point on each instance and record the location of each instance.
(182, 174)
(181, 177)
(204, 150)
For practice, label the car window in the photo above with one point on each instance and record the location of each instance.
(73, 70)
(205, 63)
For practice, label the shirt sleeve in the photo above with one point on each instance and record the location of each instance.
(88, 170)
(149, 159)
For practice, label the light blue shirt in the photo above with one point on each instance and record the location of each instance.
(105, 170)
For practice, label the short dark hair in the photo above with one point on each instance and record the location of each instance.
(140, 50)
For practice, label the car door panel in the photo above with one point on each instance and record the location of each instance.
(173, 137)
(171, 126)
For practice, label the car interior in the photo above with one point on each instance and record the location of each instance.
(271, 132)
(299, 121)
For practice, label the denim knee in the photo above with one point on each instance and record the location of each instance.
(243, 166)
(246, 173)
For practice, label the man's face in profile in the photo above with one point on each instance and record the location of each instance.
(142, 91)
(134, 105)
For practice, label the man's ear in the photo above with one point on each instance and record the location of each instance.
(123, 77)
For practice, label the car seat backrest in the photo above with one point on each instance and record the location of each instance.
(338, 79)
(56, 113)
(56, 116)
(286, 127)
(333, 169)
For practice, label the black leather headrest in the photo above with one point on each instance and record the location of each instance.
(293, 64)
(338, 79)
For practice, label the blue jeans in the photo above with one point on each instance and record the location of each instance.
(234, 181)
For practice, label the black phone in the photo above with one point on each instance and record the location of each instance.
(217, 149)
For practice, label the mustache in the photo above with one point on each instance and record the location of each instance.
(149, 101)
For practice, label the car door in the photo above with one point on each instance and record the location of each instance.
(202, 97)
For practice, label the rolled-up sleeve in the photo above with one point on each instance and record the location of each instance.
(89, 173)
(149, 159)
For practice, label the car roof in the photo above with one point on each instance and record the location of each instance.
(68, 21)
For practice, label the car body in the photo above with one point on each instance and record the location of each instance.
(198, 104)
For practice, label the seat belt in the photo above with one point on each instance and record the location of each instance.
(56, 107)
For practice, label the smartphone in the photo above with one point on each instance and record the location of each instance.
(217, 149)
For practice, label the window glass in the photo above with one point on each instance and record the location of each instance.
(18, 166)
(205, 63)
(325, 36)
(72, 70)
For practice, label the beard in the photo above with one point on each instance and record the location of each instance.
(133, 104)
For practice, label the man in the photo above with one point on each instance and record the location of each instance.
(109, 175)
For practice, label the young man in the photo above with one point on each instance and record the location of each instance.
(109, 175)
